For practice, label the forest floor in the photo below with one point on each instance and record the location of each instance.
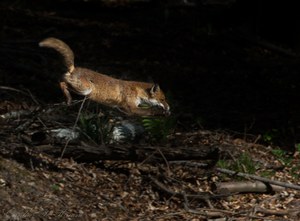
(227, 91)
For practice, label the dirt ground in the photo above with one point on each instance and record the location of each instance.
(227, 90)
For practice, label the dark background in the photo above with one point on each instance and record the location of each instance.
(230, 65)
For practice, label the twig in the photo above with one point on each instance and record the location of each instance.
(202, 195)
(64, 148)
(188, 209)
(32, 97)
(166, 161)
(208, 212)
(265, 201)
(28, 94)
(257, 139)
(78, 114)
(13, 89)
(74, 127)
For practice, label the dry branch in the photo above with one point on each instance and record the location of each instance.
(245, 175)
(294, 212)
(245, 187)
(200, 195)
(262, 179)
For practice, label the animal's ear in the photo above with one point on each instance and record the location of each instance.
(154, 89)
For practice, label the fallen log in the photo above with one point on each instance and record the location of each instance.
(90, 153)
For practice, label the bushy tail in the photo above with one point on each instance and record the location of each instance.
(63, 49)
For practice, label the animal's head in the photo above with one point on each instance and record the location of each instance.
(155, 101)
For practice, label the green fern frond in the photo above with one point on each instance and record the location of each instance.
(158, 127)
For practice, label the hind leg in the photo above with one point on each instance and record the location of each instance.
(65, 90)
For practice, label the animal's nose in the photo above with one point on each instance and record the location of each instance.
(165, 109)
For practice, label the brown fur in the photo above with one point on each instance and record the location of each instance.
(106, 90)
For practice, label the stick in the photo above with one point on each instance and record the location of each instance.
(245, 187)
(73, 129)
(245, 175)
